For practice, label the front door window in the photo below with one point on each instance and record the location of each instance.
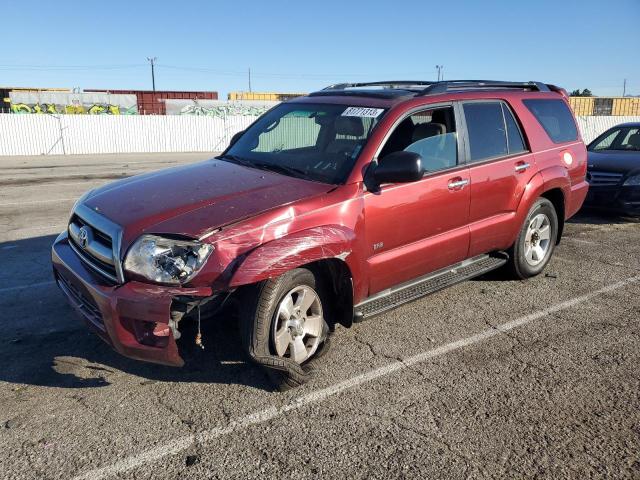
(430, 133)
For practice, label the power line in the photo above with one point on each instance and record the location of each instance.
(288, 75)
(213, 71)
(70, 67)
(216, 71)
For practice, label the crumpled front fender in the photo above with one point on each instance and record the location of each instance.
(274, 258)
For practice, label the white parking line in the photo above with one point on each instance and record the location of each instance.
(182, 443)
(562, 259)
(38, 202)
(22, 287)
(579, 240)
(38, 229)
(79, 183)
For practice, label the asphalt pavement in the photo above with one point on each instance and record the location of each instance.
(489, 379)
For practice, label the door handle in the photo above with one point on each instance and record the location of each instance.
(456, 183)
(521, 167)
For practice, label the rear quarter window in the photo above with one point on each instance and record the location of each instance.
(555, 118)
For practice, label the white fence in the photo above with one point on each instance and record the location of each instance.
(78, 134)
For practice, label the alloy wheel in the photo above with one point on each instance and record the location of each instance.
(537, 240)
(297, 324)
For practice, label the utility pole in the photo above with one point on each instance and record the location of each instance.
(624, 87)
(152, 61)
(249, 79)
(439, 68)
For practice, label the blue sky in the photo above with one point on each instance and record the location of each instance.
(305, 45)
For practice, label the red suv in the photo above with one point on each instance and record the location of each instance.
(330, 208)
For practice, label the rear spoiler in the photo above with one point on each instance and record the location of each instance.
(560, 90)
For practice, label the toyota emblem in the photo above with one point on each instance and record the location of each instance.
(83, 237)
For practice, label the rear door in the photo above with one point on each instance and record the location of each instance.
(418, 227)
(500, 167)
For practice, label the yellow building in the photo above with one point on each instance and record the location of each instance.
(615, 106)
(263, 96)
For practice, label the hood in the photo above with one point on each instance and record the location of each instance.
(195, 199)
(614, 161)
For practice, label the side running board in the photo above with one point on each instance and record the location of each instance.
(414, 289)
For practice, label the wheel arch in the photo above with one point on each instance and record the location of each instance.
(338, 282)
(554, 185)
(557, 198)
(327, 251)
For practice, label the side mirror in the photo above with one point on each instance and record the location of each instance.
(235, 137)
(399, 167)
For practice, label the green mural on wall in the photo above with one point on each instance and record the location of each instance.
(216, 108)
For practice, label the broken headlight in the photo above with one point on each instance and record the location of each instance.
(166, 260)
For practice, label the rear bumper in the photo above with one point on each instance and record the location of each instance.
(624, 200)
(133, 318)
(577, 198)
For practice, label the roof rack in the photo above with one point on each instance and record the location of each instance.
(386, 84)
(395, 88)
(445, 86)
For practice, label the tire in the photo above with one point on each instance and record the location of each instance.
(274, 342)
(534, 246)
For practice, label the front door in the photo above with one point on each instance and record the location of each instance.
(415, 228)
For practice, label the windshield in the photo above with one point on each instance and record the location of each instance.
(316, 142)
(627, 138)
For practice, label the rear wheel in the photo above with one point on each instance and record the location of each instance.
(536, 242)
(283, 325)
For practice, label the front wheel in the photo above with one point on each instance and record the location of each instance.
(283, 325)
(536, 241)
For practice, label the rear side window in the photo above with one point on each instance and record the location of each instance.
(487, 133)
(555, 118)
(515, 144)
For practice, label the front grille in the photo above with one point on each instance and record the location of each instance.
(83, 302)
(602, 179)
(95, 240)
(103, 237)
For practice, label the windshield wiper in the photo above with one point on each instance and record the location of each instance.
(237, 159)
(283, 169)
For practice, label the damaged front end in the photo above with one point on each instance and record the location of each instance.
(171, 284)
(139, 320)
(194, 310)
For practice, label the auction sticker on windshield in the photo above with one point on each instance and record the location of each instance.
(362, 112)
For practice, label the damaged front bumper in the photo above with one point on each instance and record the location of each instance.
(138, 320)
